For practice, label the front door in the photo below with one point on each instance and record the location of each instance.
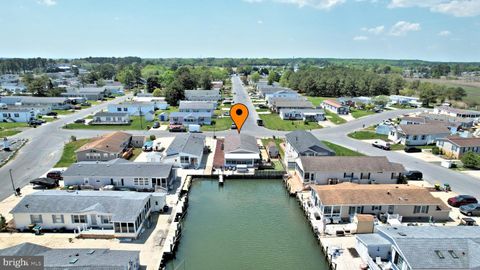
(93, 219)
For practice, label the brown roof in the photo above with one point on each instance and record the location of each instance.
(333, 103)
(363, 194)
(464, 142)
(414, 119)
(349, 164)
(111, 142)
(424, 129)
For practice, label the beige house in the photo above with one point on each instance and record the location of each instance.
(455, 147)
(105, 148)
(344, 201)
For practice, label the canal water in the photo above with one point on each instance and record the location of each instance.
(246, 224)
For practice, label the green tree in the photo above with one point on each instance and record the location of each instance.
(273, 77)
(255, 77)
(174, 93)
(427, 94)
(153, 82)
(158, 92)
(38, 86)
(471, 160)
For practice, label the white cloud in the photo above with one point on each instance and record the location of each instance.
(47, 2)
(374, 30)
(319, 4)
(401, 28)
(260, 22)
(360, 38)
(458, 8)
(444, 33)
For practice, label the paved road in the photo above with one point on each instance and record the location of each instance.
(43, 149)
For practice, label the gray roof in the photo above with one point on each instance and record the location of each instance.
(291, 103)
(240, 142)
(373, 239)
(303, 141)
(192, 144)
(118, 167)
(195, 114)
(196, 105)
(86, 90)
(35, 100)
(110, 114)
(123, 205)
(13, 109)
(212, 92)
(85, 258)
(350, 164)
(424, 129)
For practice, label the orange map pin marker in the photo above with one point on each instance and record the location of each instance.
(239, 114)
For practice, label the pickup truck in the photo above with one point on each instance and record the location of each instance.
(381, 144)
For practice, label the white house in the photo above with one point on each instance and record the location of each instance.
(404, 100)
(450, 111)
(327, 170)
(335, 107)
(241, 149)
(186, 151)
(56, 103)
(145, 109)
(203, 95)
(456, 147)
(314, 115)
(286, 93)
(302, 143)
(110, 118)
(422, 134)
(197, 106)
(13, 114)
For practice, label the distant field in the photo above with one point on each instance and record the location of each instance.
(472, 88)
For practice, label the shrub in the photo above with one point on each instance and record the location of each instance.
(152, 137)
(471, 160)
(436, 150)
(73, 138)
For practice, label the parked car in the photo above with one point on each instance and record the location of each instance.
(35, 122)
(194, 128)
(148, 146)
(470, 209)
(259, 122)
(44, 183)
(177, 128)
(79, 121)
(460, 200)
(57, 175)
(86, 104)
(411, 149)
(414, 175)
(381, 144)
(52, 113)
(233, 126)
(156, 125)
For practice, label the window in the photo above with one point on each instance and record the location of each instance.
(131, 228)
(119, 109)
(184, 159)
(34, 219)
(348, 175)
(16, 115)
(423, 137)
(79, 219)
(57, 219)
(125, 109)
(327, 210)
(307, 176)
(415, 137)
(420, 209)
(376, 207)
(106, 219)
(365, 176)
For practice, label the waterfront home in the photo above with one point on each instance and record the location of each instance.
(203, 95)
(302, 143)
(120, 173)
(70, 258)
(278, 104)
(104, 148)
(345, 200)
(241, 150)
(404, 100)
(456, 147)
(335, 107)
(89, 93)
(15, 114)
(145, 109)
(419, 134)
(110, 118)
(189, 118)
(186, 151)
(420, 247)
(285, 93)
(56, 103)
(450, 111)
(328, 170)
(120, 214)
(313, 115)
(197, 106)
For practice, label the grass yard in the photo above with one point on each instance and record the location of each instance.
(136, 153)
(277, 142)
(273, 121)
(8, 132)
(367, 135)
(63, 112)
(68, 155)
(262, 110)
(316, 101)
(136, 124)
(334, 118)
(222, 123)
(342, 151)
(10, 129)
(360, 113)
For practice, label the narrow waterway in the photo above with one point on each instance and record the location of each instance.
(246, 224)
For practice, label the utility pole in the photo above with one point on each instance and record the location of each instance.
(13, 185)
(141, 120)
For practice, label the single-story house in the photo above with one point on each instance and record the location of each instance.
(456, 147)
(345, 200)
(286, 93)
(327, 170)
(107, 147)
(187, 118)
(412, 120)
(335, 107)
(241, 150)
(56, 103)
(300, 143)
(421, 247)
(359, 101)
(203, 95)
(120, 173)
(447, 110)
(278, 104)
(217, 85)
(110, 118)
(186, 151)
(70, 258)
(13, 114)
(419, 134)
(114, 89)
(403, 100)
(159, 102)
(145, 109)
(90, 93)
(121, 214)
(197, 106)
(314, 115)
(264, 90)
(461, 122)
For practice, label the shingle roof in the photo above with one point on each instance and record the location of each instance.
(350, 164)
(292, 103)
(464, 142)
(457, 111)
(303, 141)
(424, 129)
(194, 114)
(123, 205)
(385, 194)
(118, 167)
(36, 100)
(196, 105)
(332, 103)
(192, 144)
(112, 142)
(212, 92)
(238, 142)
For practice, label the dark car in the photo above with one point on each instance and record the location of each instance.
(460, 200)
(52, 114)
(260, 122)
(156, 125)
(35, 122)
(411, 149)
(414, 175)
(233, 126)
(470, 209)
(86, 104)
(57, 175)
(44, 183)
(79, 121)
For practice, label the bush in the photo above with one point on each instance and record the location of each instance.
(152, 137)
(436, 150)
(471, 160)
(3, 223)
(73, 138)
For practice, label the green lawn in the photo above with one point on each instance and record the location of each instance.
(63, 112)
(68, 155)
(273, 121)
(277, 142)
(8, 132)
(10, 129)
(334, 118)
(136, 124)
(342, 151)
(262, 110)
(360, 113)
(316, 100)
(136, 153)
(222, 123)
(367, 135)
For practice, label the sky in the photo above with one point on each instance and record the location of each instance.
(436, 30)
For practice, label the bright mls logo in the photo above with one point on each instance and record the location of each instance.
(21, 262)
